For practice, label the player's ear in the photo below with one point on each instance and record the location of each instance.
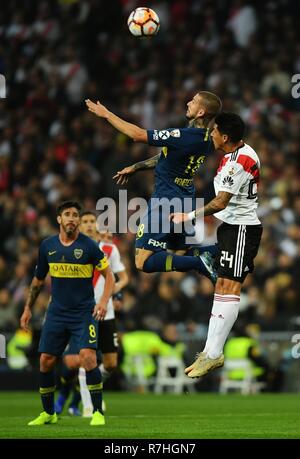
(225, 138)
(201, 113)
(58, 218)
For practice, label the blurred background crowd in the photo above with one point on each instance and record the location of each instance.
(55, 54)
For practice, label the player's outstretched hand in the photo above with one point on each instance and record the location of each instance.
(177, 217)
(100, 311)
(25, 319)
(122, 176)
(98, 109)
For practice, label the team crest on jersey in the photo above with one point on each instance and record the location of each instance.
(164, 135)
(231, 171)
(175, 133)
(78, 253)
(227, 181)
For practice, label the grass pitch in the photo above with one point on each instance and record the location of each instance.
(137, 416)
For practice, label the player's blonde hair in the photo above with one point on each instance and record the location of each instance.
(212, 104)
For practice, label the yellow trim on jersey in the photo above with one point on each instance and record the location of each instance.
(206, 135)
(165, 151)
(71, 270)
(103, 264)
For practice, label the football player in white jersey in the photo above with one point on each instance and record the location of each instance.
(239, 234)
(108, 341)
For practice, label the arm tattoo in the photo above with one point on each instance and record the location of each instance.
(212, 207)
(34, 292)
(149, 163)
(215, 205)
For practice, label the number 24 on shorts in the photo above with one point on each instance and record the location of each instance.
(226, 258)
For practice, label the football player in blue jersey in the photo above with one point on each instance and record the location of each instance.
(183, 153)
(70, 258)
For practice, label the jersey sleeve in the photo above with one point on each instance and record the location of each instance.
(232, 178)
(175, 138)
(99, 260)
(115, 261)
(42, 267)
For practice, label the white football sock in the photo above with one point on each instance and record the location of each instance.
(105, 373)
(84, 392)
(223, 315)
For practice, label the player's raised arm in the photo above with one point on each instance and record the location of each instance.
(122, 176)
(34, 291)
(134, 132)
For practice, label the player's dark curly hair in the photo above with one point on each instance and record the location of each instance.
(232, 125)
(66, 205)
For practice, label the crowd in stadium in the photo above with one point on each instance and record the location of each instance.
(56, 54)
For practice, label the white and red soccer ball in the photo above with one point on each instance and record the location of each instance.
(143, 22)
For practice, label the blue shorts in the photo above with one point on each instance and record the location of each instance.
(57, 331)
(107, 342)
(156, 232)
(71, 348)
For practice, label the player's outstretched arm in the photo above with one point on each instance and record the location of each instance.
(34, 291)
(100, 308)
(122, 176)
(220, 202)
(134, 132)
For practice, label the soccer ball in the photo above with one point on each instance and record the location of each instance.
(143, 22)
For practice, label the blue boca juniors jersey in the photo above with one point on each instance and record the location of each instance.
(183, 152)
(71, 269)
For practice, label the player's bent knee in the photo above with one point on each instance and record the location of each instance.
(139, 264)
(88, 359)
(47, 362)
(72, 361)
(228, 287)
(141, 257)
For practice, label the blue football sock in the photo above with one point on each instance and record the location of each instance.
(66, 380)
(94, 384)
(76, 397)
(47, 389)
(165, 262)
